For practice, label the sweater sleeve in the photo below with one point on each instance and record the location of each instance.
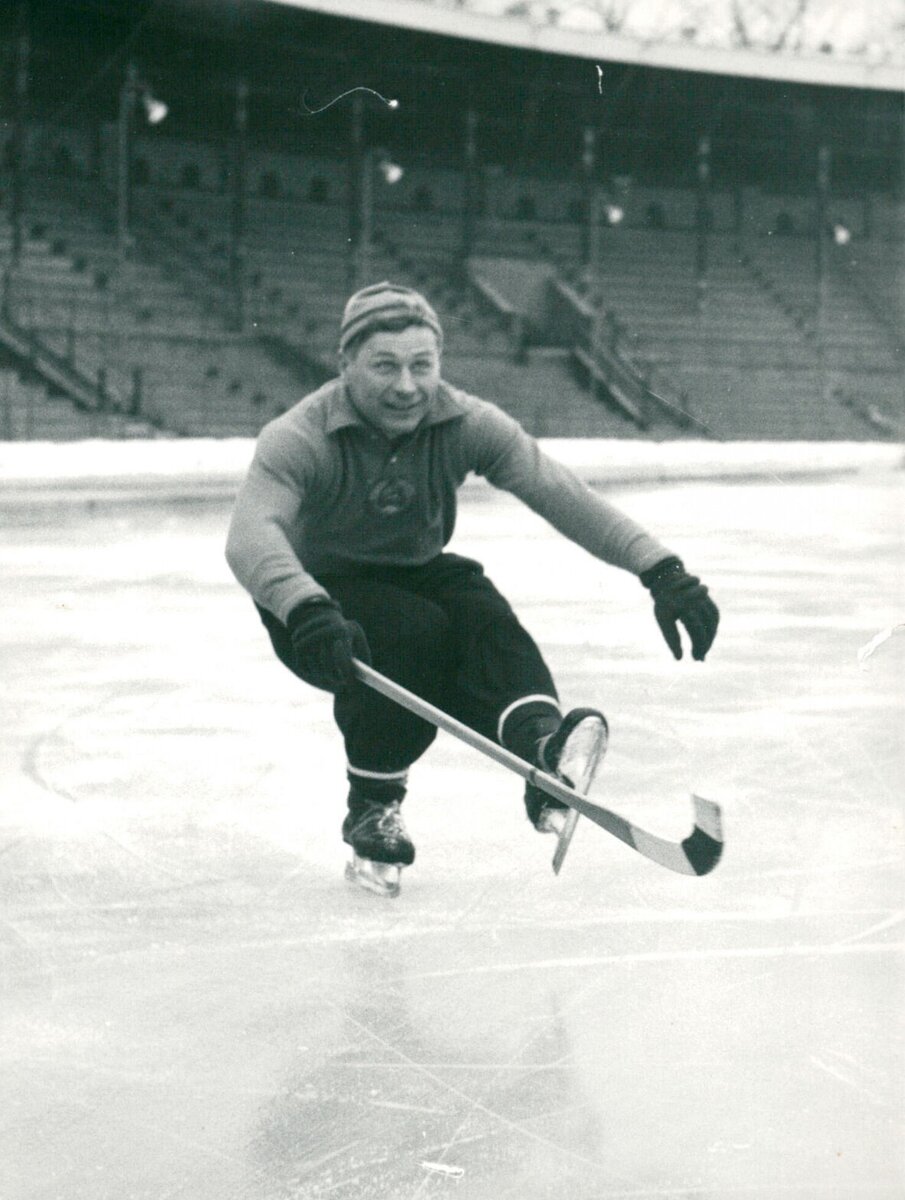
(259, 548)
(509, 458)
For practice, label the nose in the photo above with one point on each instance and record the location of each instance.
(405, 384)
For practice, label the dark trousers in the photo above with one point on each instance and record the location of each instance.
(443, 631)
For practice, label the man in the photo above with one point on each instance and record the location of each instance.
(339, 532)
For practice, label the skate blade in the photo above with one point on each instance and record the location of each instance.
(564, 840)
(380, 878)
(583, 751)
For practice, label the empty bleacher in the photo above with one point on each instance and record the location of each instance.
(155, 332)
(297, 268)
(770, 403)
(831, 309)
(28, 412)
(152, 348)
(542, 394)
(741, 340)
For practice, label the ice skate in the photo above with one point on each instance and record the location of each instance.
(380, 845)
(572, 753)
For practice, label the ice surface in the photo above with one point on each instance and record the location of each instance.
(196, 1006)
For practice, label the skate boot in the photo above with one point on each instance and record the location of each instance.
(572, 753)
(380, 844)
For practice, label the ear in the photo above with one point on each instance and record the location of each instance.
(344, 361)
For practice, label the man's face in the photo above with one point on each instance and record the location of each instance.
(393, 378)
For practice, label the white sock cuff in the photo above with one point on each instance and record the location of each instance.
(510, 709)
(386, 775)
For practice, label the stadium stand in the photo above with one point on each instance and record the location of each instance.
(152, 349)
(298, 279)
(746, 351)
(29, 413)
(703, 315)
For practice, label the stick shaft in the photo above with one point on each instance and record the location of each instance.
(696, 855)
(421, 708)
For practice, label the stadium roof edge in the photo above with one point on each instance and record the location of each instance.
(425, 18)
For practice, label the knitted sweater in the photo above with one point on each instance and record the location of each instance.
(326, 492)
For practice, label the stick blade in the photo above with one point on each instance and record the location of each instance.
(703, 847)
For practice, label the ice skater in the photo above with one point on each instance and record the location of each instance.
(339, 534)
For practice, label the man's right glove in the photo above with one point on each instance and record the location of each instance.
(324, 644)
(679, 596)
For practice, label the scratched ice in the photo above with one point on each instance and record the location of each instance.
(197, 1007)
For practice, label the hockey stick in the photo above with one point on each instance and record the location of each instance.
(697, 854)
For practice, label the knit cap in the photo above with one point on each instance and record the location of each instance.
(381, 302)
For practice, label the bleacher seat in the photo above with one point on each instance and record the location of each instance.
(152, 327)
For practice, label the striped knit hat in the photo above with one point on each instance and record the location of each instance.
(381, 302)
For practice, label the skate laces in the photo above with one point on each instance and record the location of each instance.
(390, 820)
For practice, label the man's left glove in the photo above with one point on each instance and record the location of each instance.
(324, 643)
(679, 596)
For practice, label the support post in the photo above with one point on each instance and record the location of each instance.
(366, 219)
(589, 189)
(595, 224)
(820, 263)
(353, 199)
(127, 96)
(738, 216)
(237, 208)
(20, 135)
(136, 398)
(702, 222)
(469, 190)
(820, 219)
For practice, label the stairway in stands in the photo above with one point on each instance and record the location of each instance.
(297, 282)
(749, 369)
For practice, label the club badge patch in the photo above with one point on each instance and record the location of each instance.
(391, 496)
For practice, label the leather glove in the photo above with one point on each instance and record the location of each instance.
(324, 644)
(679, 596)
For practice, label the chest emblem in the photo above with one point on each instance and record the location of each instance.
(391, 496)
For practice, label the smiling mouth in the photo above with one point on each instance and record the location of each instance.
(404, 408)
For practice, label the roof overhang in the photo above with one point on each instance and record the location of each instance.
(417, 15)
